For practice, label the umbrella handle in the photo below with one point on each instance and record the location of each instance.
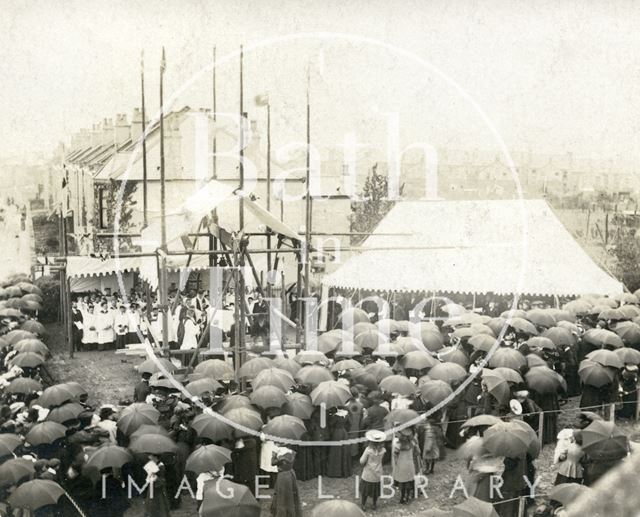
(75, 505)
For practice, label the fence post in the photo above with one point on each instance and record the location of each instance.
(612, 412)
(637, 413)
(521, 506)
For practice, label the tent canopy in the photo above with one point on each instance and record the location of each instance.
(499, 246)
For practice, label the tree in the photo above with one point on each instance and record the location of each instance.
(626, 249)
(372, 205)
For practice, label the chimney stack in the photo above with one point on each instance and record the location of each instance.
(96, 136)
(107, 132)
(136, 125)
(122, 130)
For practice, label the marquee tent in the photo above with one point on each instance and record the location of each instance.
(498, 246)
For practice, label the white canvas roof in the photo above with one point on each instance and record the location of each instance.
(500, 246)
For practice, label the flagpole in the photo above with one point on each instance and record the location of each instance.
(163, 223)
(307, 230)
(240, 287)
(269, 193)
(144, 145)
(213, 241)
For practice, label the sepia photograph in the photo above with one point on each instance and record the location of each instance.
(301, 258)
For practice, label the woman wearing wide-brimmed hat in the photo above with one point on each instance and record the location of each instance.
(371, 460)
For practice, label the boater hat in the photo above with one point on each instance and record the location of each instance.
(375, 436)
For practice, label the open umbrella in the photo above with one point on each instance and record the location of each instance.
(628, 355)
(543, 380)
(578, 307)
(418, 360)
(513, 313)
(223, 498)
(602, 337)
(65, 413)
(566, 493)
(453, 354)
(378, 370)
(481, 328)
(34, 326)
(543, 343)
(346, 365)
(400, 416)
(496, 385)
(268, 397)
(9, 443)
(609, 302)
(314, 375)
(481, 421)
(630, 311)
(45, 433)
(32, 345)
(507, 358)
(509, 374)
(473, 507)
(447, 372)
(274, 377)
(482, 342)
(435, 391)
(18, 335)
(405, 344)
(153, 444)
(201, 386)
(535, 446)
(253, 367)
(235, 401)
(560, 336)
(211, 427)
(34, 297)
(351, 316)
(287, 364)
(152, 365)
(331, 394)
(26, 286)
(370, 339)
(312, 357)
(606, 358)
(540, 318)
(285, 426)
(35, 494)
(27, 360)
(14, 470)
(388, 327)
(603, 440)
(626, 298)
(366, 379)
(431, 339)
(298, 405)
(109, 456)
(328, 342)
(594, 374)
(363, 326)
(10, 313)
(398, 384)
(55, 395)
(4, 343)
(629, 332)
(562, 315)
(24, 385)
(31, 306)
(135, 415)
(496, 324)
(612, 315)
(217, 369)
(244, 418)
(534, 360)
(337, 507)
(149, 429)
(208, 458)
(467, 318)
(506, 439)
(523, 325)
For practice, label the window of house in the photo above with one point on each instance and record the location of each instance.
(103, 215)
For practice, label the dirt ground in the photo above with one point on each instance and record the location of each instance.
(110, 378)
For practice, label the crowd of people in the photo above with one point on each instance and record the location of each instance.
(383, 399)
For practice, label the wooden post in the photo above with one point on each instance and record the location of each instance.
(637, 412)
(541, 426)
(521, 506)
(612, 412)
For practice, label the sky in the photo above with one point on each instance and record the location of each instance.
(547, 76)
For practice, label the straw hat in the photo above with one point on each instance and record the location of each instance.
(375, 436)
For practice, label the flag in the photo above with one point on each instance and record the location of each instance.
(262, 99)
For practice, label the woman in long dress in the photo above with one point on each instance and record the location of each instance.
(405, 452)
(339, 457)
(286, 498)
(156, 503)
